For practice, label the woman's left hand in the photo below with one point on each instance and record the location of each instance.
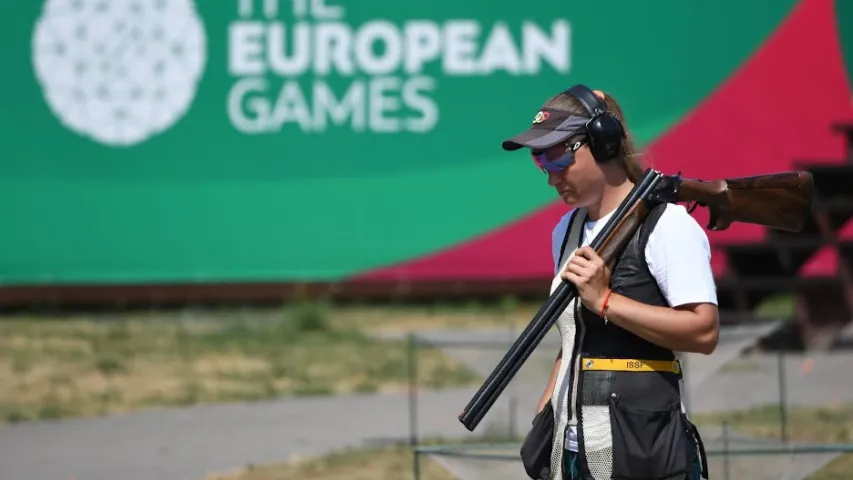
(587, 271)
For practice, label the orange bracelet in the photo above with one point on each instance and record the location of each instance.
(604, 305)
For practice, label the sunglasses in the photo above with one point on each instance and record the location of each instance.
(560, 164)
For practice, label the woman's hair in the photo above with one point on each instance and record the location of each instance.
(628, 156)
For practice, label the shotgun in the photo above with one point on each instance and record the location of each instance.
(779, 201)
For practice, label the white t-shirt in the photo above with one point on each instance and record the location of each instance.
(678, 255)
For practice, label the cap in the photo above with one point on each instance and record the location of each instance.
(549, 127)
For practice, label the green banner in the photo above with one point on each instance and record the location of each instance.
(172, 140)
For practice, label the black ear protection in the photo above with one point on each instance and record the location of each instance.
(604, 130)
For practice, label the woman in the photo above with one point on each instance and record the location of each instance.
(616, 385)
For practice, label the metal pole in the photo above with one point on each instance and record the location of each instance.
(783, 397)
(413, 405)
(513, 401)
(685, 394)
(726, 466)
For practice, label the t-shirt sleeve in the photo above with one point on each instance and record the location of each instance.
(558, 234)
(679, 257)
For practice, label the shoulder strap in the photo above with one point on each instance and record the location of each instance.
(646, 231)
(571, 242)
(649, 224)
(572, 239)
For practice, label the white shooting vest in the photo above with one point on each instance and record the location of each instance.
(567, 327)
(595, 434)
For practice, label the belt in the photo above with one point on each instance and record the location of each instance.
(631, 365)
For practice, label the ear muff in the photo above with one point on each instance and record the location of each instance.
(604, 130)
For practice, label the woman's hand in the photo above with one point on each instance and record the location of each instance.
(587, 271)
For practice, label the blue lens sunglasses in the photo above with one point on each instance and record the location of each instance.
(560, 164)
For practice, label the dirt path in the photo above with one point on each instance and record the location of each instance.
(187, 444)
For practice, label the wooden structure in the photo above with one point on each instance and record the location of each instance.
(814, 265)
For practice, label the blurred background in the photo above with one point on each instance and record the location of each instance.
(268, 239)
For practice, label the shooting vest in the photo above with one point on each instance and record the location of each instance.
(622, 392)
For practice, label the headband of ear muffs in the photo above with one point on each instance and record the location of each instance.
(604, 130)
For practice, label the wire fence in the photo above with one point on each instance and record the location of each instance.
(761, 415)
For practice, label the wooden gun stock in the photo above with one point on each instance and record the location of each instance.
(780, 201)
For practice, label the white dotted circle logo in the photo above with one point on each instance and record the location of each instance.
(119, 71)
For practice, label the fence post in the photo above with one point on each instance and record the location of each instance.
(726, 466)
(685, 374)
(783, 397)
(413, 405)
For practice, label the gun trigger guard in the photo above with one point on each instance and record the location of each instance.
(692, 206)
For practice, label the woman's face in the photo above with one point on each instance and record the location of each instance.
(581, 182)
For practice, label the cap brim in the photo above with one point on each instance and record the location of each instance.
(536, 139)
(540, 138)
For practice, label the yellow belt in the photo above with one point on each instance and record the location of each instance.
(631, 365)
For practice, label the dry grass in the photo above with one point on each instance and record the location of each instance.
(830, 424)
(406, 318)
(838, 469)
(357, 464)
(52, 367)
